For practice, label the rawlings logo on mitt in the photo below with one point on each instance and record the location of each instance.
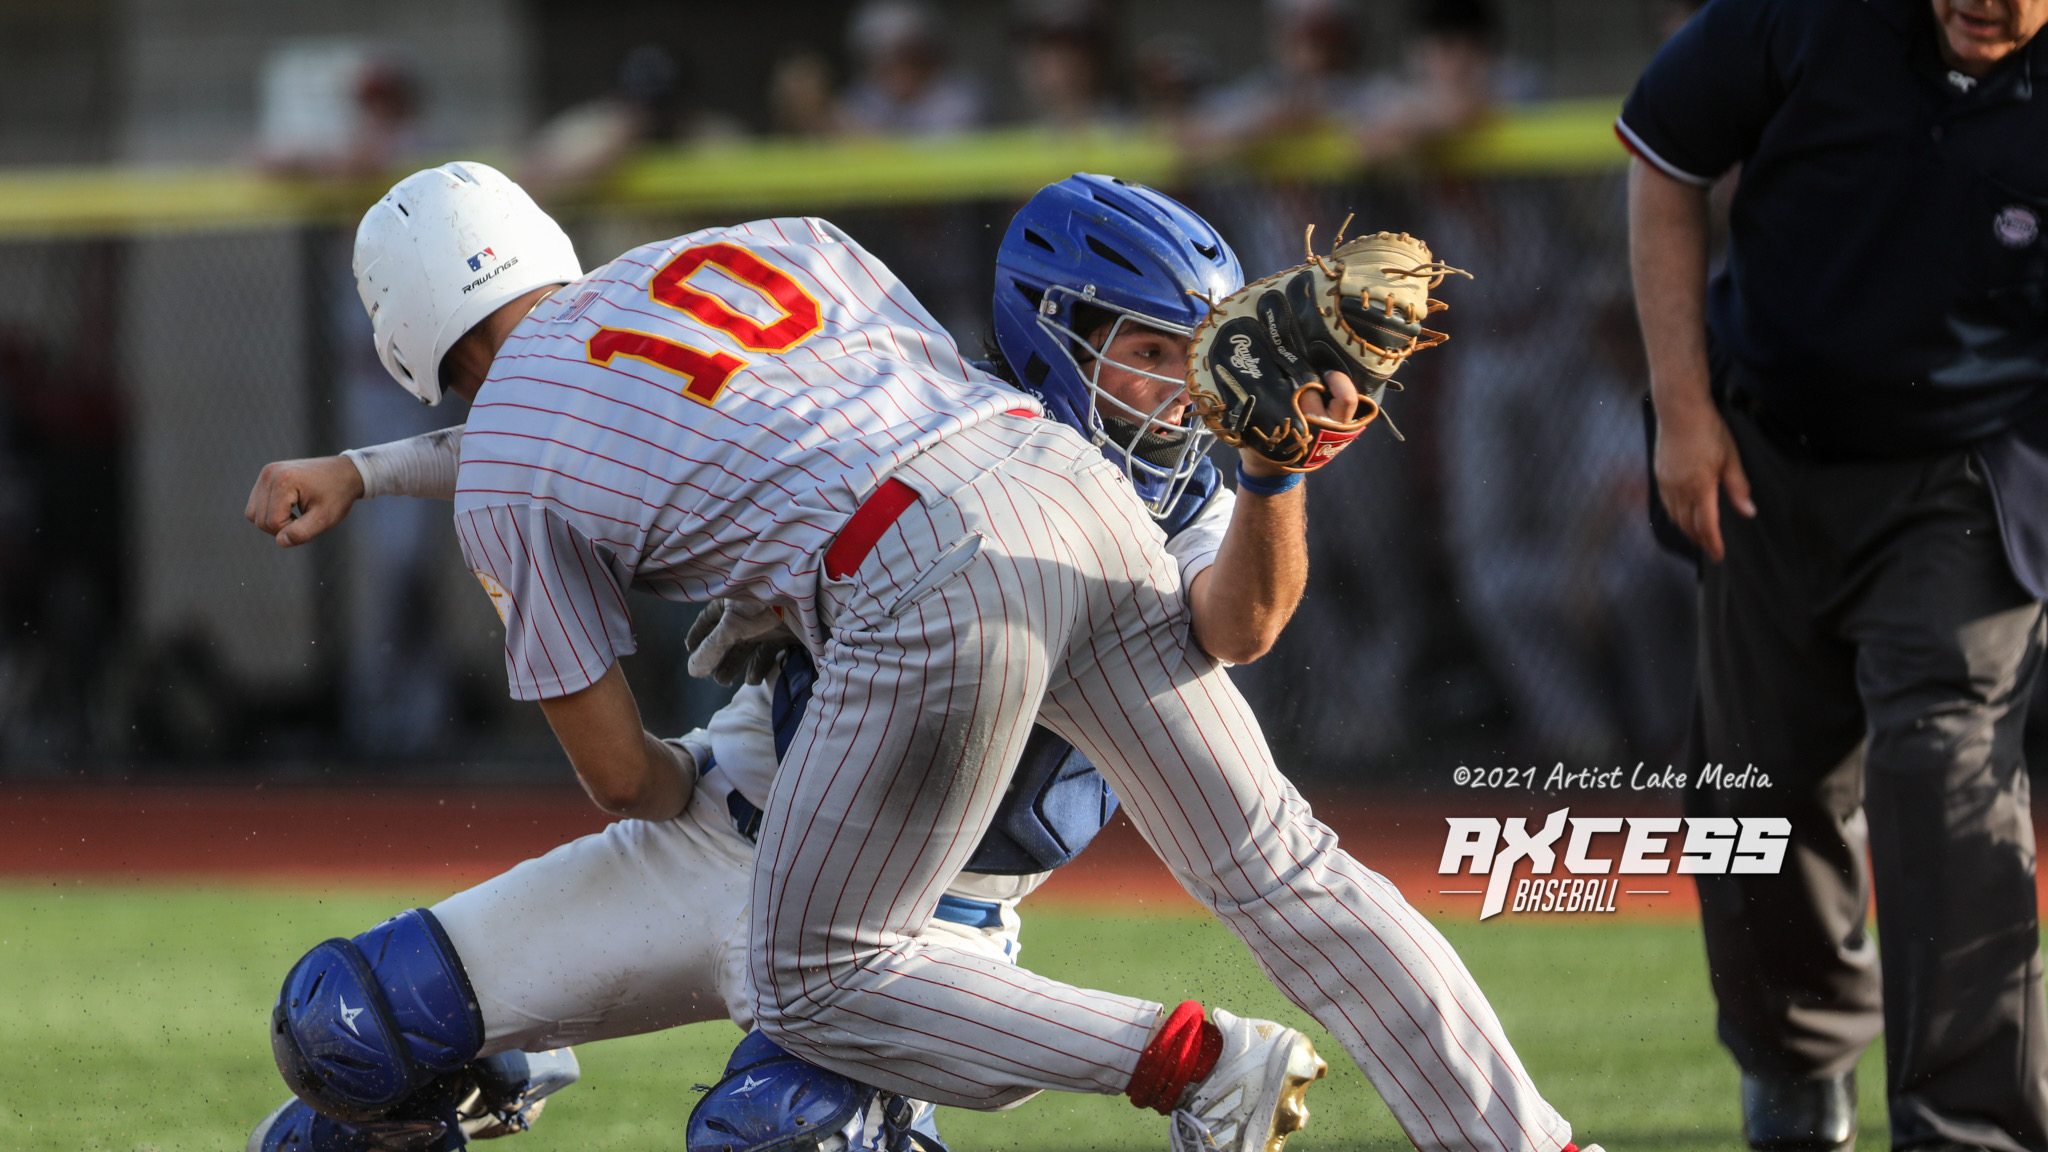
(1358, 311)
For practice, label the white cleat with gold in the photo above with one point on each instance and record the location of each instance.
(1252, 1100)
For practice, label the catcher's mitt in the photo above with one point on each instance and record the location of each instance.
(1358, 311)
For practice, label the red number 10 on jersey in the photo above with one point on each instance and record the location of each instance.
(705, 373)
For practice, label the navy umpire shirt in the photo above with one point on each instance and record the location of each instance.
(1886, 287)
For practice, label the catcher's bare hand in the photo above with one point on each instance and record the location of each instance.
(1337, 402)
(1696, 459)
(296, 500)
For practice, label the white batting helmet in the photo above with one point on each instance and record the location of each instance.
(444, 249)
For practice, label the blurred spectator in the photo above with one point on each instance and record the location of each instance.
(62, 528)
(1453, 75)
(1668, 16)
(902, 85)
(1335, 695)
(1312, 82)
(337, 107)
(800, 94)
(1067, 63)
(398, 679)
(1173, 72)
(1582, 621)
(651, 100)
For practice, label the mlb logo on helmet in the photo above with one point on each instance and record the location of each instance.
(476, 262)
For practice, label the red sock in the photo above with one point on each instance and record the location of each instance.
(1184, 1053)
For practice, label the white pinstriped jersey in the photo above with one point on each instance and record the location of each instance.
(697, 418)
(742, 738)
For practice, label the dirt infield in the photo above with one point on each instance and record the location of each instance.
(454, 837)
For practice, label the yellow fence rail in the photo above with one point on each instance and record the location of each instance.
(1559, 137)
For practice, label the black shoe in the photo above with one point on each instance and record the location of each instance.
(1786, 1115)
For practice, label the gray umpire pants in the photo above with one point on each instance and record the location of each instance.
(1866, 645)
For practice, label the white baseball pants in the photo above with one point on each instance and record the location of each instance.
(642, 927)
(1027, 570)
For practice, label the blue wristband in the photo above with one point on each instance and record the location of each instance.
(1259, 487)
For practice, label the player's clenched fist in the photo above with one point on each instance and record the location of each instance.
(296, 500)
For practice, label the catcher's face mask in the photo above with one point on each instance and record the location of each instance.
(1160, 448)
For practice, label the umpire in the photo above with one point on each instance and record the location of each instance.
(1865, 385)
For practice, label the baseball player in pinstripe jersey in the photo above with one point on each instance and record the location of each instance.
(761, 413)
(618, 933)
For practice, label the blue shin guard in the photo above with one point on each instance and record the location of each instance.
(363, 1027)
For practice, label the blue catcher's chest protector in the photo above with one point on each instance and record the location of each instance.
(1056, 804)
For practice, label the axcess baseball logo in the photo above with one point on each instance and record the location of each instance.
(476, 262)
(1713, 846)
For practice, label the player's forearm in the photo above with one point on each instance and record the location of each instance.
(422, 466)
(1242, 601)
(667, 782)
(1668, 225)
(651, 782)
(625, 770)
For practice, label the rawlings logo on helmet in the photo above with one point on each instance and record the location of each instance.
(488, 276)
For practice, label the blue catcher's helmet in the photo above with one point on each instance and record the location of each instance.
(1134, 256)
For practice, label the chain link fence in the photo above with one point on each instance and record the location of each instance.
(1483, 591)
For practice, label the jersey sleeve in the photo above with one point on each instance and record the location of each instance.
(1702, 105)
(562, 599)
(1195, 546)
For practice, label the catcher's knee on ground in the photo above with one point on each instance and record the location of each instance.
(362, 1026)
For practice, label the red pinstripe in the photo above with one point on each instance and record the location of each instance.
(1226, 836)
(641, 411)
(535, 569)
(506, 550)
(1186, 822)
(473, 549)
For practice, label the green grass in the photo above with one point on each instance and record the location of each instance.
(132, 1018)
